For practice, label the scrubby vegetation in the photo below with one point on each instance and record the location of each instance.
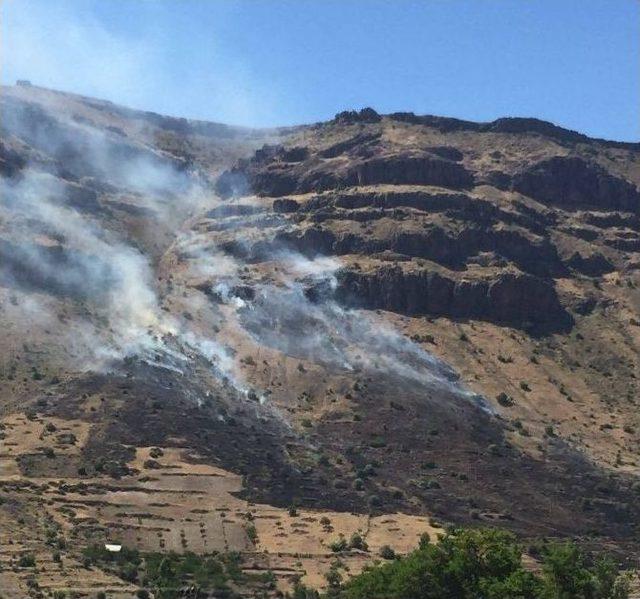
(125, 563)
(27, 561)
(168, 575)
(471, 564)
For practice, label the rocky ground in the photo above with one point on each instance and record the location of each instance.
(401, 319)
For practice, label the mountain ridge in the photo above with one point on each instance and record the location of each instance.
(504, 124)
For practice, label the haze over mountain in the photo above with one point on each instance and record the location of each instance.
(220, 338)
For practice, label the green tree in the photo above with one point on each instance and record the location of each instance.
(566, 576)
(468, 564)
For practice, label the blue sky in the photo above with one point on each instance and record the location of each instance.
(276, 62)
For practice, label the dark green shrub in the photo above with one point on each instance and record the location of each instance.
(338, 545)
(375, 501)
(387, 552)
(357, 542)
(252, 533)
(506, 401)
(27, 561)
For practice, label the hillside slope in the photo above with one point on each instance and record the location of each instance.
(395, 321)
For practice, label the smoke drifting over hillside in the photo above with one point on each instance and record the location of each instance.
(64, 241)
(310, 339)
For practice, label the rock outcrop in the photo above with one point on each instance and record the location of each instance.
(573, 183)
(437, 227)
(511, 298)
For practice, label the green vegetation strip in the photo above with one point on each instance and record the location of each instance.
(462, 564)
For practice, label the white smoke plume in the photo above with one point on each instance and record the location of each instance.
(89, 263)
(282, 315)
(65, 246)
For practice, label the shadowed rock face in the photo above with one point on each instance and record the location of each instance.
(572, 183)
(272, 172)
(398, 170)
(277, 182)
(441, 244)
(592, 265)
(515, 299)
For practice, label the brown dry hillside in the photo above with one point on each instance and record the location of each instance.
(393, 322)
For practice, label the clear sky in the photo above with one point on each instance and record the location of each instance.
(276, 62)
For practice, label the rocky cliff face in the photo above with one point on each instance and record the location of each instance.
(507, 298)
(474, 234)
(573, 183)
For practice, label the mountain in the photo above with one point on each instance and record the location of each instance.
(225, 339)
